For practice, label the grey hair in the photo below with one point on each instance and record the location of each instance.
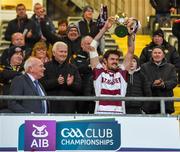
(57, 45)
(31, 61)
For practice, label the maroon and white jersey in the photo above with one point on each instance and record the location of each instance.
(108, 83)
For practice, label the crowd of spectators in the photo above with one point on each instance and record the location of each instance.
(41, 61)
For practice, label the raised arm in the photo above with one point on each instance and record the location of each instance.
(107, 26)
(94, 58)
(132, 25)
(129, 56)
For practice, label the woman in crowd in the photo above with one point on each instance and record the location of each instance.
(41, 51)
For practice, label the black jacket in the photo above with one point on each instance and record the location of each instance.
(82, 62)
(162, 6)
(86, 28)
(167, 73)
(38, 25)
(52, 37)
(137, 87)
(53, 88)
(51, 74)
(22, 26)
(6, 76)
(171, 54)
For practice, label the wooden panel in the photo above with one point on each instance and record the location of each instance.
(134, 9)
(8, 5)
(113, 5)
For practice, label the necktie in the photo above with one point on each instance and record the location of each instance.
(40, 93)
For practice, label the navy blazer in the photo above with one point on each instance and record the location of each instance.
(23, 85)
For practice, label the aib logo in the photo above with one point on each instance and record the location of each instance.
(39, 132)
(40, 135)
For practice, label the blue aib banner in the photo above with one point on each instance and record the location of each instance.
(96, 134)
(86, 135)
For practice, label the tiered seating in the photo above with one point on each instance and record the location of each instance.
(151, 22)
(3, 43)
(169, 37)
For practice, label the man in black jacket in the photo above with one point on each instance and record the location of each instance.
(61, 79)
(39, 12)
(10, 71)
(161, 78)
(73, 39)
(23, 25)
(82, 61)
(171, 54)
(163, 9)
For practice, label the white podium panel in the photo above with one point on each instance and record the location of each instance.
(89, 133)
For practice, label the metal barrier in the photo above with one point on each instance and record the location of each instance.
(94, 98)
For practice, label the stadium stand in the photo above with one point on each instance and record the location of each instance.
(113, 42)
(3, 43)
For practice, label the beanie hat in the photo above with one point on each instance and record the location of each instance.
(13, 49)
(158, 32)
(72, 25)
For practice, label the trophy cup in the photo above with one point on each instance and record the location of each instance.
(125, 25)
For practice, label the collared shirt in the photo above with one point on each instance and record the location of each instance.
(42, 93)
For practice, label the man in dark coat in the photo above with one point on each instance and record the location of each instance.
(39, 12)
(10, 71)
(73, 39)
(171, 53)
(23, 25)
(82, 61)
(163, 9)
(26, 84)
(162, 79)
(61, 79)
